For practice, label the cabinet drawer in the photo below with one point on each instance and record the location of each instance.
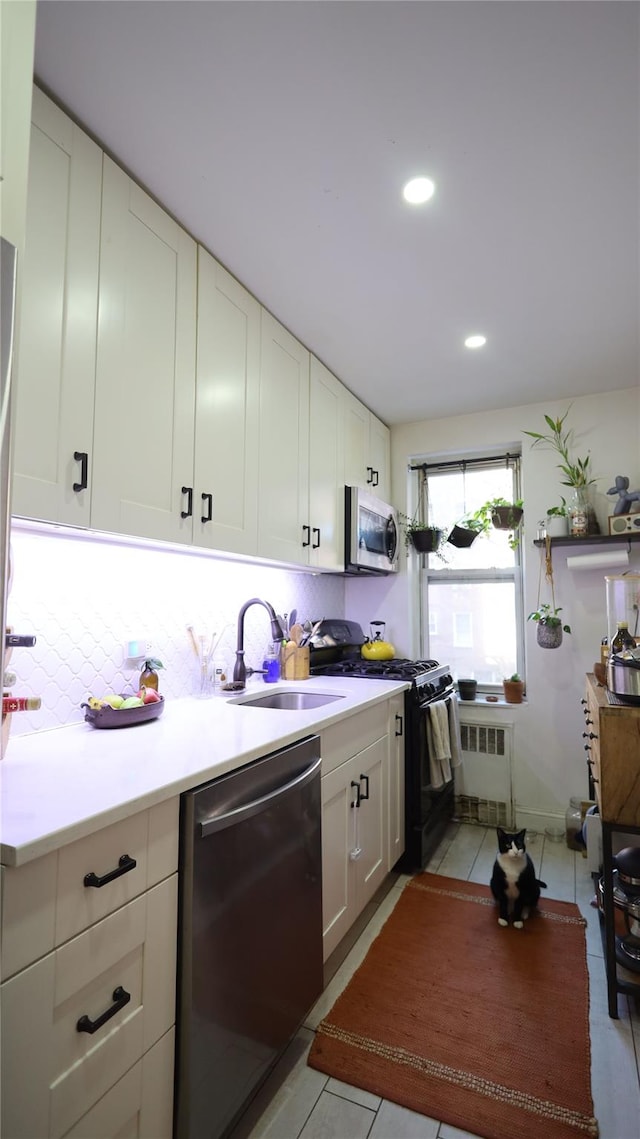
(348, 737)
(140, 1105)
(615, 756)
(45, 902)
(53, 1074)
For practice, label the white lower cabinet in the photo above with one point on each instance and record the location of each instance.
(88, 1003)
(354, 837)
(118, 980)
(138, 1105)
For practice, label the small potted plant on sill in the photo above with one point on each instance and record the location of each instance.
(513, 689)
(557, 523)
(550, 627)
(502, 515)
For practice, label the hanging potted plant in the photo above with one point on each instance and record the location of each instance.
(577, 472)
(550, 626)
(464, 533)
(502, 515)
(421, 537)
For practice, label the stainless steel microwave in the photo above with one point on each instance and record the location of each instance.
(371, 533)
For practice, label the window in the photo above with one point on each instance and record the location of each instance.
(471, 599)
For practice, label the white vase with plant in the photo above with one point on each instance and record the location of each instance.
(577, 472)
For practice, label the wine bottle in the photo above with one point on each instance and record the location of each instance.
(623, 639)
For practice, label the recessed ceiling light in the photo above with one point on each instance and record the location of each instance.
(419, 190)
(475, 341)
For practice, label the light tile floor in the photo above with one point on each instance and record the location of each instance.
(297, 1102)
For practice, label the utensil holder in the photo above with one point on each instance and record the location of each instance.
(294, 662)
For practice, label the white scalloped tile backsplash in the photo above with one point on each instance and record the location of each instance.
(84, 598)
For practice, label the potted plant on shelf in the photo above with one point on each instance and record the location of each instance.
(577, 474)
(513, 689)
(502, 515)
(550, 627)
(557, 523)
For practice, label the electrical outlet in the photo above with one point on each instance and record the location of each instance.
(137, 649)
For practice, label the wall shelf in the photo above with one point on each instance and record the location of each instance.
(591, 540)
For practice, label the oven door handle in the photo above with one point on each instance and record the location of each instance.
(358, 795)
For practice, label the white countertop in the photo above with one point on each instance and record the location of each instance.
(60, 785)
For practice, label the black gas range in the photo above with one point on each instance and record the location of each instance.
(427, 809)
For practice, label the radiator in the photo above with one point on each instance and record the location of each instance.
(483, 783)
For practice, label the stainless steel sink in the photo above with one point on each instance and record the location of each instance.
(293, 701)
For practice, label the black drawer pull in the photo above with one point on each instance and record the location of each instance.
(365, 794)
(398, 725)
(120, 997)
(82, 458)
(125, 864)
(358, 795)
(306, 533)
(375, 478)
(208, 499)
(188, 490)
(369, 476)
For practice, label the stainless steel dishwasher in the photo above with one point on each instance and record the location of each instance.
(250, 942)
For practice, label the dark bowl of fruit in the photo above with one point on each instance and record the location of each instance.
(124, 710)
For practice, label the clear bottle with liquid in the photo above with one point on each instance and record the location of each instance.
(271, 664)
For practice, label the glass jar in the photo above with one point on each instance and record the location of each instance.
(573, 823)
(579, 512)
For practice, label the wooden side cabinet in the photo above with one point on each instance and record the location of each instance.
(612, 732)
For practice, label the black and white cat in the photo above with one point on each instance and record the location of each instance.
(513, 883)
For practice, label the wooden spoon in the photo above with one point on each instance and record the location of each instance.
(296, 632)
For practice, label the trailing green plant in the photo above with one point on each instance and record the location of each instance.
(548, 615)
(561, 511)
(560, 439)
(411, 526)
(483, 518)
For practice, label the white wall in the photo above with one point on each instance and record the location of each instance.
(550, 763)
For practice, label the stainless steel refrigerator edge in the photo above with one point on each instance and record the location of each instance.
(250, 941)
(7, 312)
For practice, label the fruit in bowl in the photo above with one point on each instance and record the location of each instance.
(149, 695)
(126, 710)
(131, 702)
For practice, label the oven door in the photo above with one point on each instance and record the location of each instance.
(371, 533)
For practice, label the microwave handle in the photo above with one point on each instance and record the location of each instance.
(392, 538)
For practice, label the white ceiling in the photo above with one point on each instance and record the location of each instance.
(280, 135)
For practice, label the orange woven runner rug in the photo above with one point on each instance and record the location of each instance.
(482, 1027)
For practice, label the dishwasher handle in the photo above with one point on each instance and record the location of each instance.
(230, 818)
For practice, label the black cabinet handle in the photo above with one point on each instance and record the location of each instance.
(399, 726)
(306, 532)
(208, 500)
(125, 864)
(369, 476)
(358, 795)
(583, 701)
(120, 997)
(374, 480)
(82, 458)
(589, 736)
(365, 794)
(315, 531)
(188, 490)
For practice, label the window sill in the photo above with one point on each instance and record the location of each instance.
(482, 702)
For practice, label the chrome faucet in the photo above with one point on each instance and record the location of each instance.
(277, 634)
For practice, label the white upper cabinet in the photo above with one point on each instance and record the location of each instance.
(366, 448)
(54, 394)
(227, 406)
(145, 374)
(284, 528)
(326, 469)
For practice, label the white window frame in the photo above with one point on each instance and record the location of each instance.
(437, 571)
